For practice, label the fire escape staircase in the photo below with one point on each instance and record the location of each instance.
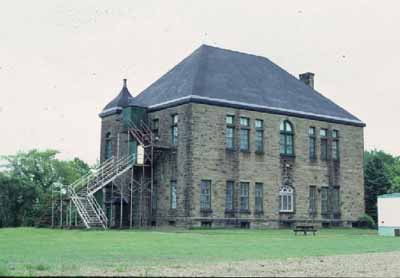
(82, 191)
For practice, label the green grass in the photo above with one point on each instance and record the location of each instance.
(26, 251)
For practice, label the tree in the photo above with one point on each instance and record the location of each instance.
(376, 182)
(28, 181)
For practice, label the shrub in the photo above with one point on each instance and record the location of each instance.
(366, 221)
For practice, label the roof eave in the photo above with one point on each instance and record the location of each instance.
(110, 111)
(253, 107)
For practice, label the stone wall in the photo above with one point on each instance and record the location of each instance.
(201, 154)
(212, 161)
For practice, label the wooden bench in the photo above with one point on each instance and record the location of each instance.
(305, 229)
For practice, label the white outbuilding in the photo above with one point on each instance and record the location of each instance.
(389, 214)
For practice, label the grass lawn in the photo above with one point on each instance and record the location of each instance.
(29, 251)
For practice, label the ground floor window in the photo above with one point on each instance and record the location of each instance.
(286, 199)
(259, 192)
(312, 208)
(173, 194)
(244, 196)
(205, 195)
(324, 200)
(229, 195)
(336, 200)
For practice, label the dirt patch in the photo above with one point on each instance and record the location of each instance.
(361, 265)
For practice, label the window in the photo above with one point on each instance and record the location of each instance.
(312, 143)
(244, 139)
(259, 125)
(244, 196)
(286, 138)
(244, 121)
(286, 199)
(324, 200)
(108, 146)
(312, 208)
(244, 134)
(229, 195)
(230, 120)
(229, 137)
(323, 133)
(259, 192)
(205, 195)
(155, 127)
(336, 200)
(173, 194)
(335, 145)
(174, 129)
(230, 128)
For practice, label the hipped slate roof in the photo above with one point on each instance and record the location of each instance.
(229, 78)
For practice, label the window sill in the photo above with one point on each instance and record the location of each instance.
(230, 150)
(245, 151)
(259, 152)
(292, 156)
(245, 211)
(286, 211)
(259, 212)
(206, 210)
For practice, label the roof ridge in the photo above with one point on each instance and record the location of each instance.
(199, 77)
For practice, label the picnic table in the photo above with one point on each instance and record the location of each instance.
(305, 229)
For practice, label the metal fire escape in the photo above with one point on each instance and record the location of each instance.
(140, 190)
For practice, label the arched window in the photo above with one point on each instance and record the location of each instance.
(286, 138)
(108, 146)
(286, 199)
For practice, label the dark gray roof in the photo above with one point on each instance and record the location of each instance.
(123, 99)
(229, 78)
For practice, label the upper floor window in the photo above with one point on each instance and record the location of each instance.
(173, 195)
(230, 131)
(335, 145)
(323, 133)
(259, 125)
(244, 196)
(312, 143)
(174, 129)
(205, 195)
(259, 192)
(244, 134)
(286, 199)
(286, 138)
(108, 146)
(155, 126)
(229, 195)
(230, 120)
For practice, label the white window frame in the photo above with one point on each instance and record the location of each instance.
(286, 192)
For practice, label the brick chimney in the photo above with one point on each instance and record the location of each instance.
(307, 78)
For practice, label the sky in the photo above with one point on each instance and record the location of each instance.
(61, 62)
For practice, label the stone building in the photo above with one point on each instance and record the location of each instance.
(236, 141)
